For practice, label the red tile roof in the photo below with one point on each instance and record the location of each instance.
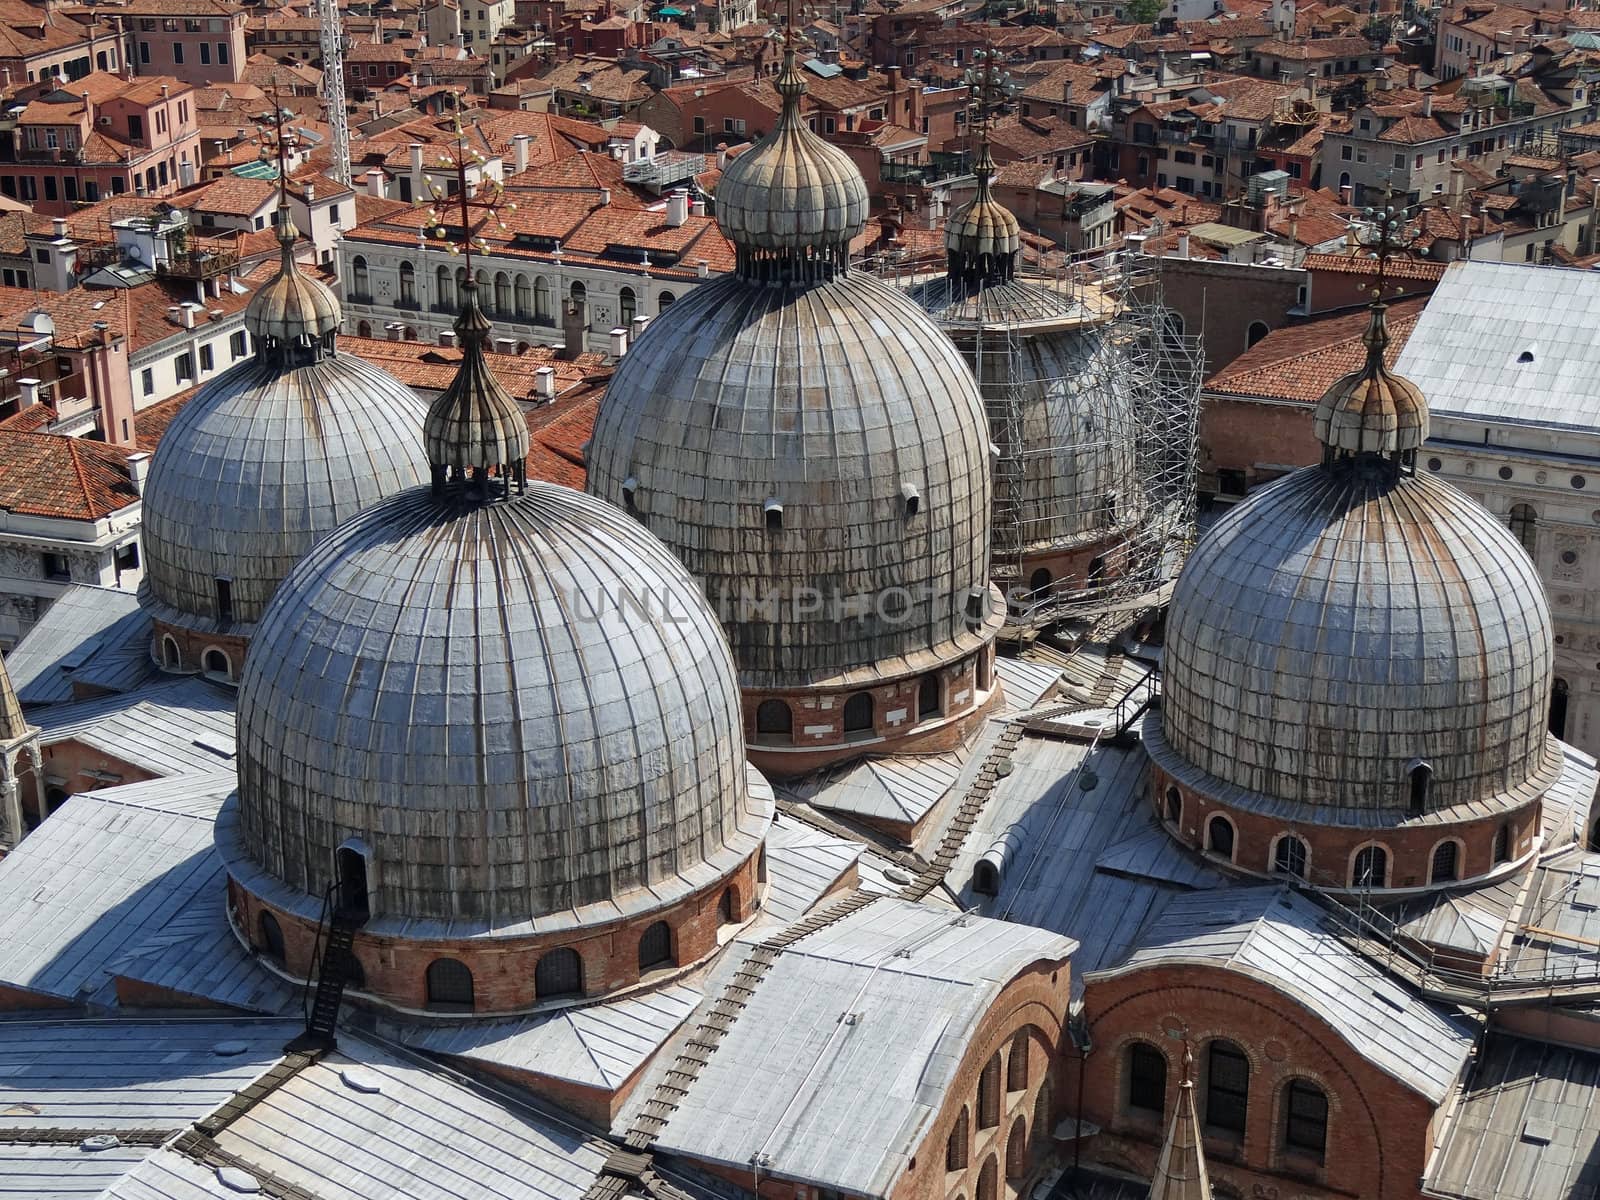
(49, 475)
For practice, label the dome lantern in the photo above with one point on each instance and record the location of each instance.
(792, 204)
(982, 239)
(293, 318)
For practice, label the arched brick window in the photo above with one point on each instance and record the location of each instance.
(1289, 857)
(1502, 844)
(858, 713)
(1219, 837)
(728, 906)
(1147, 1078)
(1371, 868)
(928, 703)
(1305, 1119)
(774, 721)
(449, 985)
(1227, 1088)
(170, 658)
(955, 1147)
(271, 935)
(655, 947)
(1017, 1150)
(1174, 807)
(559, 973)
(1446, 864)
(1017, 1064)
(988, 1180)
(989, 1095)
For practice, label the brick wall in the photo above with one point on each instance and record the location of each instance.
(1378, 1130)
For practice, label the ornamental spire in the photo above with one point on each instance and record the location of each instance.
(475, 435)
(1181, 1172)
(982, 239)
(1372, 413)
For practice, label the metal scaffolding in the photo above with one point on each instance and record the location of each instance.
(1092, 393)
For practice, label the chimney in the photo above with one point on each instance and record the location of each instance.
(29, 389)
(1183, 244)
(505, 345)
(702, 268)
(88, 108)
(544, 384)
(519, 152)
(1466, 236)
(138, 470)
(59, 228)
(375, 183)
(188, 316)
(619, 342)
(697, 207)
(1347, 195)
(1427, 105)
(311, 192)
(677, 207)
(1456, 176)
(417, 189)
(574, 324)
(185, 173)
(605, 197)
(394, 329)
(636, 330)
(447, 338)
(722, 155)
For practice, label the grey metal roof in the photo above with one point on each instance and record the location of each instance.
(261, 463)
(1339, 625)
(1278, 936)
(524, 708)
(409, 1129)
(91, 882)
(802, 865)
(173, 727)
(82, 625)
(130, 1074)
(844, 1103)
(1026, 682)
(831, 399)
(1564, 810)
(63, 1171)
(900, 788)
(1564, 900)
(595, 1045)
(1467, 350)
(1527, 1126)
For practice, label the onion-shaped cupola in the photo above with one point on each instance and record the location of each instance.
(260, 463)
(815, 451)
(504, 718)
(1358, 658)
(982, 239)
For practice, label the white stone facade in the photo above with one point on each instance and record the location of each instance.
(41, 556)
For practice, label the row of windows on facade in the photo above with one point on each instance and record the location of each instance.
(183, 364)
(213, 659)
(204, 49)
(1013, 1078)
(502, 294)
(77, 68)
(775, 719)
(558, 973)
(1302, 1125)
(1290, 856)
(66, 187)
(65, 137)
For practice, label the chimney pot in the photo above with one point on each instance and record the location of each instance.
(677, 207)
(29, 389)
(702, 268)
(375, 183)
(605, 197)
(447, 338)
(619, 342)
(139, 470)
(544, 383)
(59, 225)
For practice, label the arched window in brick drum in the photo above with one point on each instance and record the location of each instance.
(955, 1148)
(1289, 857)
(728, 907)
(271, 938)
(1371, 868)
(558, 973)
(774, 721)
(858, 713)
(1017, 1150)
(1017, 1064)
(1502, 845)
(988, 1180)
(449, 985)
(928, 702)
(1446, 866)
(1174, 806)
(1219, 837)
(989, 1095)
(655, 947)
(1041, 1116)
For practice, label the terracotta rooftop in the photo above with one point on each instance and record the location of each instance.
(50, 475)
(1299, 363)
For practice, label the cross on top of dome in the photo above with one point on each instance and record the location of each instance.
(1372, 414)
(476, 437)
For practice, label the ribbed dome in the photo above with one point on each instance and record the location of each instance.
(523, 708)
(791, 193)
(261, 463)
(1350, 622)
(1373, 410)
(291, 307)
(840, 402)
(982, 239)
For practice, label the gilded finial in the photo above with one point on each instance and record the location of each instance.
(488, 198)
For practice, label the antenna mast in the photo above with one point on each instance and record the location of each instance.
(332, 38)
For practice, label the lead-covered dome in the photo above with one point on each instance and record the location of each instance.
(1355, 623)
(265, 459)
(521, 709)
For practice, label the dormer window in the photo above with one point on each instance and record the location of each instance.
(773, 508)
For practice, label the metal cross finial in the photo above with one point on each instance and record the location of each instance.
(485, 199)
(281, 142)
(1392, 236)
